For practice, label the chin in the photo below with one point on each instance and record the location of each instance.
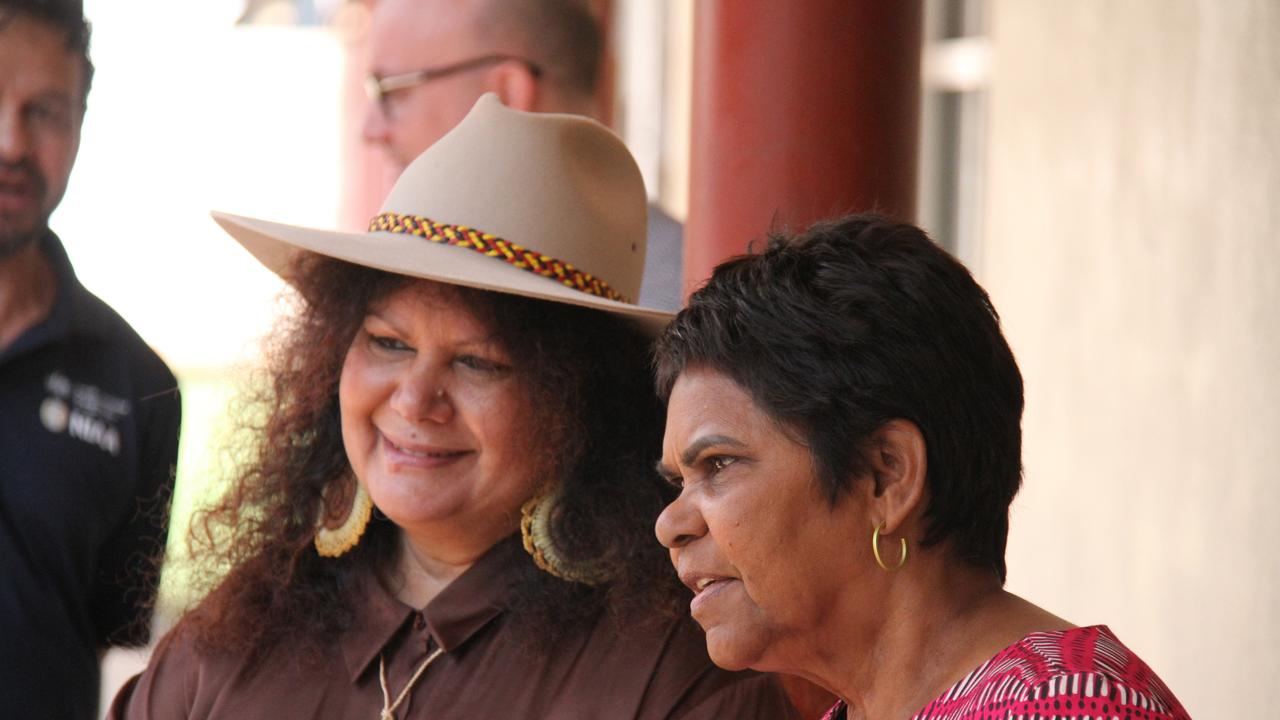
(406, 505)
(734, 650)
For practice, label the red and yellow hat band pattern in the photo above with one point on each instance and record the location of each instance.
(495, 247)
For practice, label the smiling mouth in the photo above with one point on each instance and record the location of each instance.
(403, 456)
(427, 453)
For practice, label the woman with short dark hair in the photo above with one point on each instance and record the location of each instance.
(844, 427)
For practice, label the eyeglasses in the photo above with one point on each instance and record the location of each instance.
(379, 88)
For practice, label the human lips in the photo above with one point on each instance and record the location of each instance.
(402, 453)
(19, 187)
(705, 586)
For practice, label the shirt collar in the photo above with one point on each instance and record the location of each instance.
(63, 318)
(462, 609)
(70, 315)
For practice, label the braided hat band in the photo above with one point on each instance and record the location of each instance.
(495, 247)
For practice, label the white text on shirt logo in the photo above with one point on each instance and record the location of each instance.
(83, 411)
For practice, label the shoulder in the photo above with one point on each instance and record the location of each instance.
(100, 325)
(1083, 672)
(664, 231)
(183, 680)
(1091, 671)
(167, 686)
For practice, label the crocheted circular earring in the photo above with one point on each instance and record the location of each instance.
(535, 528)
(336, 534)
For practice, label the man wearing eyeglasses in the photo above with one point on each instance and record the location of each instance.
(432, 59)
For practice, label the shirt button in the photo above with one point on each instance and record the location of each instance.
(419, 622)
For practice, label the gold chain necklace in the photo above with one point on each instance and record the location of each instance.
(388, 707)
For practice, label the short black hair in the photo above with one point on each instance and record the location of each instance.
(856, 322)
(67, 16)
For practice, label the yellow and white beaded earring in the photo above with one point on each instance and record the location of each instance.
(337, 532)
(535, 529)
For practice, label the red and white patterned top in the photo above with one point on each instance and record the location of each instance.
(1084, 673)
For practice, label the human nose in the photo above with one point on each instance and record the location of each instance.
(421, 395)
(680, 523)
(15, 141)
(375, 127)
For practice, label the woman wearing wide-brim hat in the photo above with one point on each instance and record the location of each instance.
(449, 510)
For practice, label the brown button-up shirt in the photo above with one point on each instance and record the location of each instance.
(593, 671)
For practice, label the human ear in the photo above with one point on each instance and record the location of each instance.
(515, 85)
(897, 460)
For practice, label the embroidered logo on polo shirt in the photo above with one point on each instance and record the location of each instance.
(55, 414)
(83, 412)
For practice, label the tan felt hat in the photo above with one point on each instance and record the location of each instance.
(543, 205)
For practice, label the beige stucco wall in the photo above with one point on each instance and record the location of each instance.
(1132, 245)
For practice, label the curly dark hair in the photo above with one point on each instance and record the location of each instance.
(67, 16)
(855, 322)
(587, 372)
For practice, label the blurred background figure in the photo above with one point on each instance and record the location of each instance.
(431, 60)
(88, 413)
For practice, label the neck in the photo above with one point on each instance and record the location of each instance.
(565, 101)
(427, 566)
(27, 290)
(936, 621)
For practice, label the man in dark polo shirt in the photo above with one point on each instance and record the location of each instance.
(88, 414)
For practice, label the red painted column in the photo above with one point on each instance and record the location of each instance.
(801, 110)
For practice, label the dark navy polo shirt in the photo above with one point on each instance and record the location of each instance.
(88, 441)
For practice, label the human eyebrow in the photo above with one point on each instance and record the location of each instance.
(487, 343)
(381, 315)
(695, 448)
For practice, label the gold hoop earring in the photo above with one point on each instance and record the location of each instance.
(334, 541)
(875, 550)
(535, 531)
